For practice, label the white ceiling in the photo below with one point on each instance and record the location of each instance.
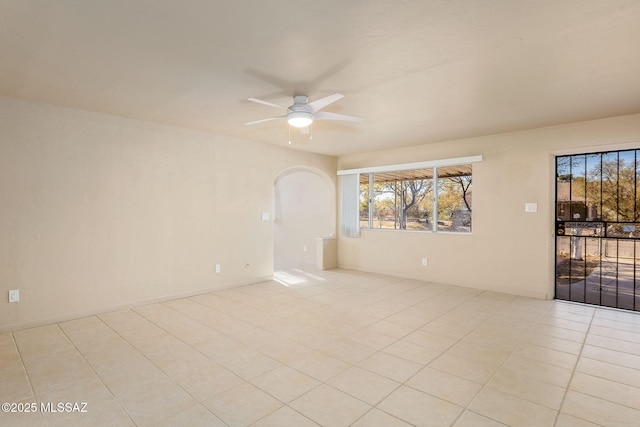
(418, 71)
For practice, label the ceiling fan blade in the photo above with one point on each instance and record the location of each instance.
(319, 104)
(324, 115)
(264, 120)
(270, 104)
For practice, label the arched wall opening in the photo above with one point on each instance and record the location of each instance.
(305, 209)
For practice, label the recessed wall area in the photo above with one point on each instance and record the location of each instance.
(304, 211)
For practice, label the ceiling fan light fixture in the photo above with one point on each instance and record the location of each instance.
(303, 113)
(300, 119)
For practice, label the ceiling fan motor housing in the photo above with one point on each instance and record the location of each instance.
(300, 99)
(300, 113)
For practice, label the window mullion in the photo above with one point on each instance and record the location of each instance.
(371, 195)
(434, 219)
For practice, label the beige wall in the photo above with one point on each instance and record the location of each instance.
(509, 250)
(99, 212)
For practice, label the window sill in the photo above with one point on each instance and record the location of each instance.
(389, 230)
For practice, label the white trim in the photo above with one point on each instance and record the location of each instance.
(350, 194)
(370, 203)
(434, 214)
(415, 165)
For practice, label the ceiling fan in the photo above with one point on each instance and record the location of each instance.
(302, 113)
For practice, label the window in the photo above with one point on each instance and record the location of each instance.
(454, 198)
(432, 196)
(399, 200)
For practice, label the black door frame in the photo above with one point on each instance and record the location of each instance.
(597, 230)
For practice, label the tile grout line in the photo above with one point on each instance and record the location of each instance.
(92, 368)
(512, 342)
(158, 367)
(400, 384)
(245, 381)
(573, 371)
(485, 385)
(26, 372)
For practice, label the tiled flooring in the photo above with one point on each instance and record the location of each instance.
(335, 348)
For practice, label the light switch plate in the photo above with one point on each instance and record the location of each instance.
(14, 295)
(531, 207)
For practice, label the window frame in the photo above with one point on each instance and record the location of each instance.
(434, 165)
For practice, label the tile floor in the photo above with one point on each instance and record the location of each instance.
(335, 348)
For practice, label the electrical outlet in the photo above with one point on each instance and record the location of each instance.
(304, 248)
(425, 262)
(217, 268)
(14, 295)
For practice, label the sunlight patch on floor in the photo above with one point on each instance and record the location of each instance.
(296, 277)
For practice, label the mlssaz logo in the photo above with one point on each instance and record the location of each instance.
(63, 407)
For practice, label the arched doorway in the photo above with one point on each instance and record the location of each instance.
(304, 210)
